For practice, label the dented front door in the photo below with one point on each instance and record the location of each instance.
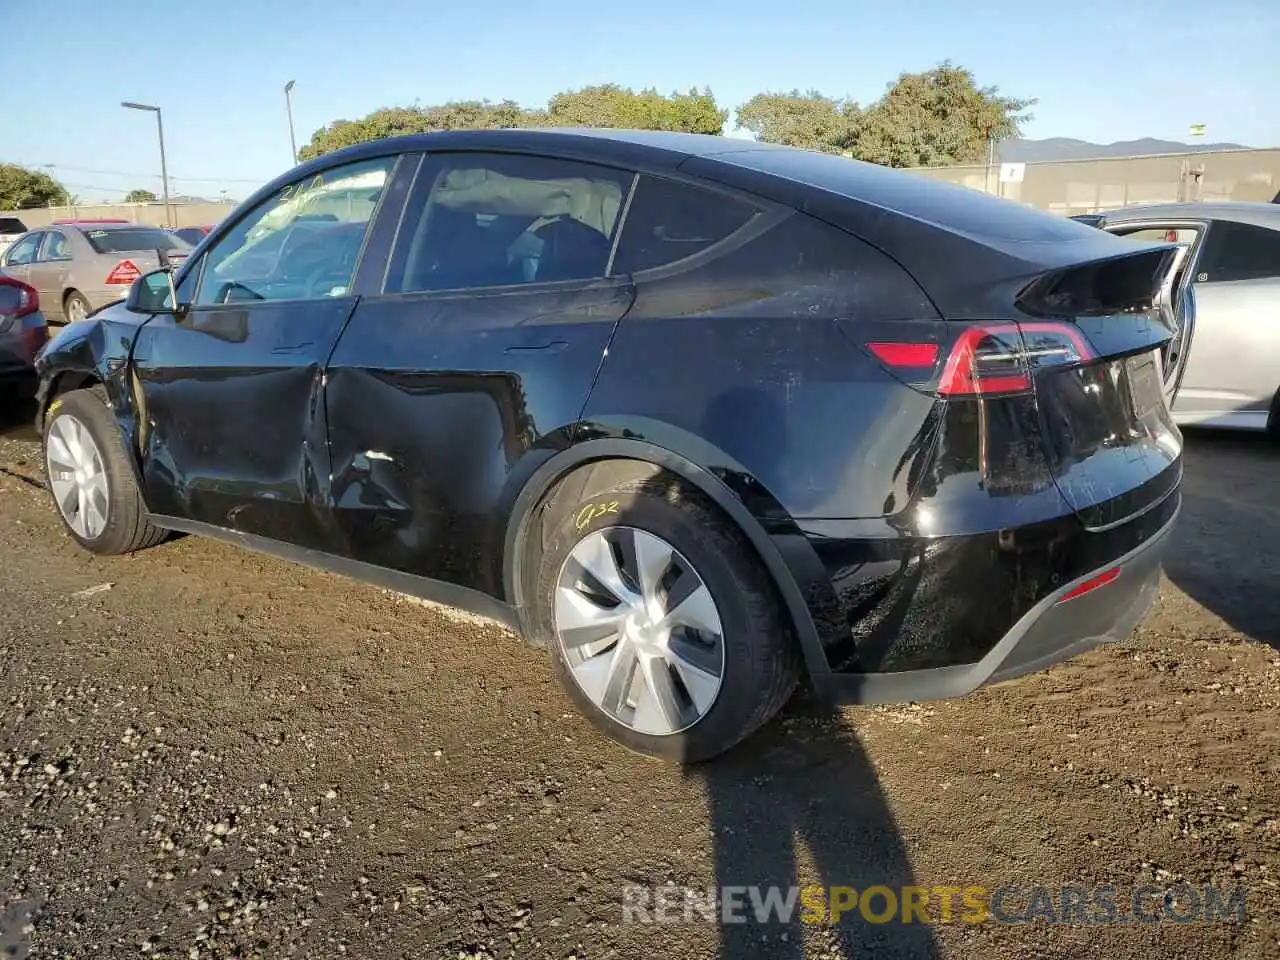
(233, 430)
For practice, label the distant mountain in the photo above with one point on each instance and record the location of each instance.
(1065, 148)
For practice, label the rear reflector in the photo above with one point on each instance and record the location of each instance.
(908, 355)
(125, 272)
(1093, 583)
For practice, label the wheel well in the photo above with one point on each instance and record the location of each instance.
(581, 480)
(65, 383)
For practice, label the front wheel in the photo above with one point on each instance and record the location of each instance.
(664, 627)
(91, 483)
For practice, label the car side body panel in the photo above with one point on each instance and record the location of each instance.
(1233, 370)
(437, 401)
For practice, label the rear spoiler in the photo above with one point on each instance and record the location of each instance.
(1126, 284)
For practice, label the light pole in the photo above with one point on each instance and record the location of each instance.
(288, 106)
(164, 169)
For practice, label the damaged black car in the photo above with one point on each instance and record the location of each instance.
(704, 418)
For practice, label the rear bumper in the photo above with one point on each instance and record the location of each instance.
(1053, 630)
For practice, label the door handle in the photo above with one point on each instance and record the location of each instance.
(553, 346)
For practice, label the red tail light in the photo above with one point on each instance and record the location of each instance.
(125, 272)
(17, 300)
(905, 355)
(995, 359)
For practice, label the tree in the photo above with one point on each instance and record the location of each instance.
(21, 189)
(140, 196)
(937, 118)
(601, 106)
(807, 120)
(400, 121)
(610, 105)
(934, 118)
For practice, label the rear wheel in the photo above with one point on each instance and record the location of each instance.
(76, 306)
(663, 626)
(91, 483)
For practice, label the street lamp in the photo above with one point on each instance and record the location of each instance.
(288, 105)
(164, 170)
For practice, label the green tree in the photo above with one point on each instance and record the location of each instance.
(609, 105)
(21, 189)
(401, 121)
(601, 106)
(937, 118)
(934, 118)
(807, 120)
(140, 196)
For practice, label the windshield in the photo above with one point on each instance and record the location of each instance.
(130, 239)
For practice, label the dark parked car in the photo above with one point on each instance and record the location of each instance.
(23, 332)
(699, 415)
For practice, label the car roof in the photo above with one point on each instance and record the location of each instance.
(86, 225)
(1259, 214)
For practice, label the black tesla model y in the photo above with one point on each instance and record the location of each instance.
(703, 417)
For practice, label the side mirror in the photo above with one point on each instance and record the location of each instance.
(154, 293)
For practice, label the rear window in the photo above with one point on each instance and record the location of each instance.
(134, 239)
(12, 225)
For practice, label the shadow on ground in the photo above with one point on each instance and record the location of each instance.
(1226, 553)
(803, 791)
(17, 417)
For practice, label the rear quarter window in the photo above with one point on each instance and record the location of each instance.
(134, 239)
(669, 221)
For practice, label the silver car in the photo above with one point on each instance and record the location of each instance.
(1223, 369)
(82, 265)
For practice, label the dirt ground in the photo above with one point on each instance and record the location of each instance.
(223, 755)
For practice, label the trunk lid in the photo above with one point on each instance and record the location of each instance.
(1108, 435)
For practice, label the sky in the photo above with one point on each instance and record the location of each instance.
(1101, 70)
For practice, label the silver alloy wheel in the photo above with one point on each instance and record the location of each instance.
(639, 630)
(77, 476)
(77, 309)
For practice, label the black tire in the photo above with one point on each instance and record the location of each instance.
(127, 528)
(80, 299)
(761, 657)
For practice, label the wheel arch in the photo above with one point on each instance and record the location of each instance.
(644, 453)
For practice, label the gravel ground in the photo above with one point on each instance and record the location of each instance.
(207, 753)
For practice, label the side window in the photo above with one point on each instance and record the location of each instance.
(300, 244)
(488, 220)
(1239, 251)
(24, 251)
(1183, 235)
(668, 221)
(55, 247)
